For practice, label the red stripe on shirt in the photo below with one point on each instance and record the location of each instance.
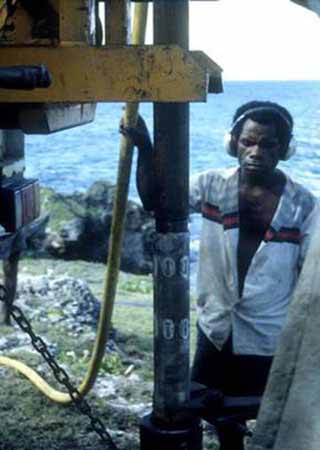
(292, 235)
(213, 212)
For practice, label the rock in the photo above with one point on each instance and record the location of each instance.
(68, 302)
(112, 390)
(86, 235)
(61, 300)
(36, 233)
(100, 193)
(64, 301)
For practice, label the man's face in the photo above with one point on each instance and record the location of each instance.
(258, 149)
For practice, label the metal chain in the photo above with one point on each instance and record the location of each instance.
(59, 373)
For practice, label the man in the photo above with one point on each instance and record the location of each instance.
(256, 226)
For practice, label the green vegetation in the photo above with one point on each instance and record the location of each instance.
(53, 202)
(30, 421)
(141, 285)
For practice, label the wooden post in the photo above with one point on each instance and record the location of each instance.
(10, 274)
(12, 165)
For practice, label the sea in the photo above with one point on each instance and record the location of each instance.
(72, 160)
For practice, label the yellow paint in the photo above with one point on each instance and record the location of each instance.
(3, 12)
(74, 21)
(126, 74)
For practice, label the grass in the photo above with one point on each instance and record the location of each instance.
(32, 422)
(28, 420)
(59, 211)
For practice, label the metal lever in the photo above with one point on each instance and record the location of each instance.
(25, 77)
(214, 407)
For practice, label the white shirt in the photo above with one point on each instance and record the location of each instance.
(256, 319)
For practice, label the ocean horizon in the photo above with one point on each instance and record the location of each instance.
(72, 160)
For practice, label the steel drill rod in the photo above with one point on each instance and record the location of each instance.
(169, 427)
(171, 277)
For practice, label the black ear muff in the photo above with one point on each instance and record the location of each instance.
(230, 144)
(291, 149)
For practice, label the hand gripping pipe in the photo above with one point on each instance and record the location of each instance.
(114, 254)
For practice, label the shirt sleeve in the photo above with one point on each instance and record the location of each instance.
(196, 195)
(309, 227)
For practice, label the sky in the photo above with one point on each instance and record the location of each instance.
(257, 39)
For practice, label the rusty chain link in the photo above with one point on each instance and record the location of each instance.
(59, 373)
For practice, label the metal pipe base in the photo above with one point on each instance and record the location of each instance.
(157, 437)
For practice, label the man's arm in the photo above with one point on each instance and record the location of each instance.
(145, 177)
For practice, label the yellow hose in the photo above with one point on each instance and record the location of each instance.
(114, 253)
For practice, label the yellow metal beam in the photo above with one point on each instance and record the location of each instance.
(74, 21)
(214, 70)
(111, 74)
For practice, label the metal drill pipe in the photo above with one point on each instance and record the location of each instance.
(171, 297)
(167, 427)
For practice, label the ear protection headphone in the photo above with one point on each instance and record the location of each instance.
(229, 138)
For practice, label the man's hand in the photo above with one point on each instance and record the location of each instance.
(145, 174)
(139, 135)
